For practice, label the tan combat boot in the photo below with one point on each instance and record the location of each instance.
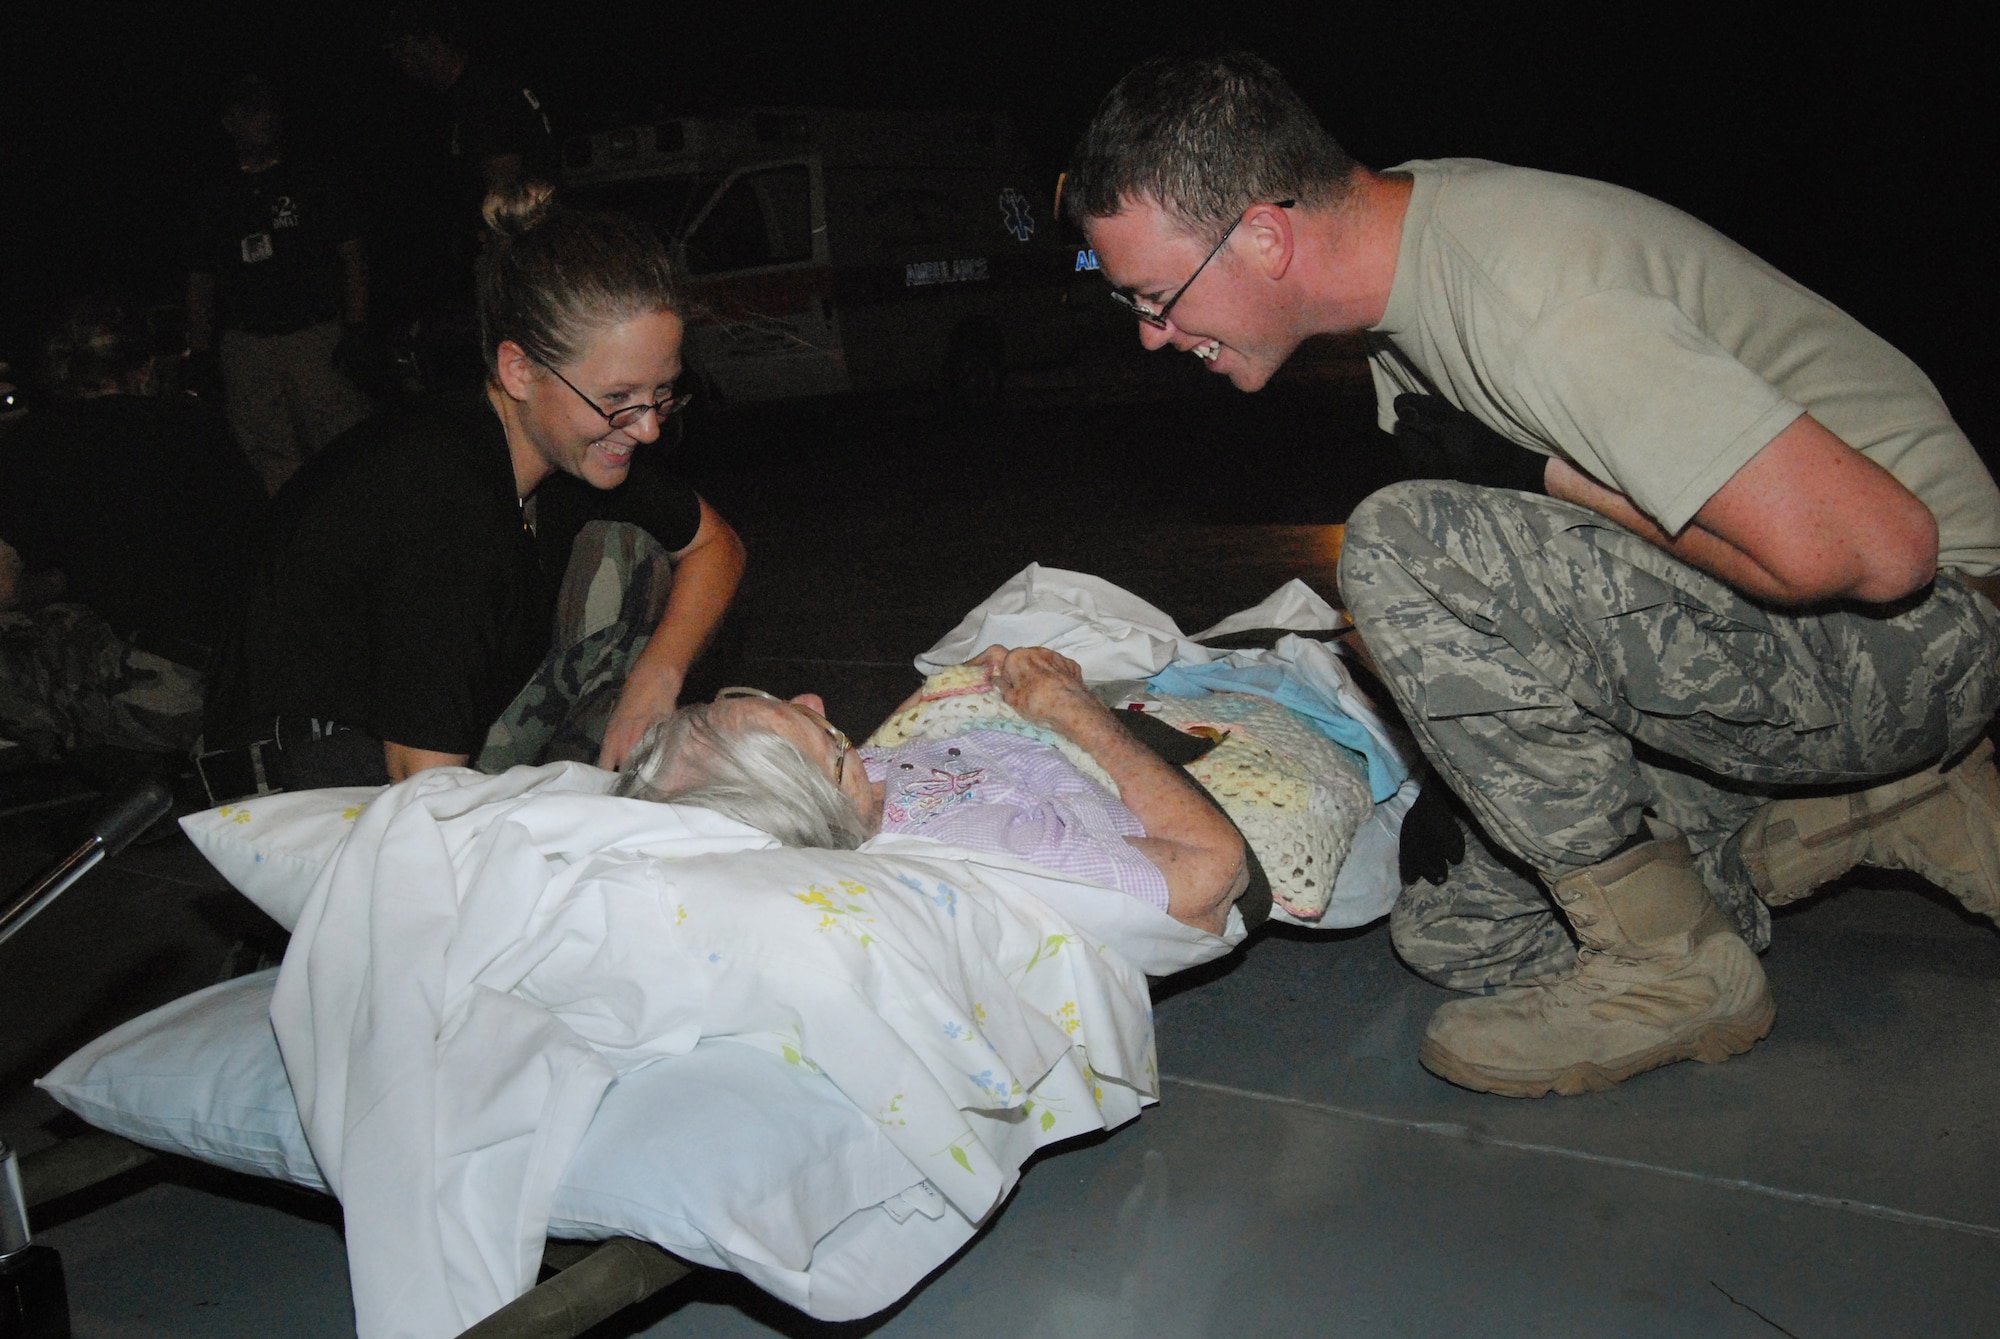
(1943, 824)
(1662, 976)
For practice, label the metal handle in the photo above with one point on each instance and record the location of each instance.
(110, 832)
(14, 1234)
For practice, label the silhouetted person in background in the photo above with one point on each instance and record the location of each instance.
(482, 131)
(126, 520)
(275, 261)
(496, 129)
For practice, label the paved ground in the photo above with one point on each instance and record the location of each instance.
(1303, 1175)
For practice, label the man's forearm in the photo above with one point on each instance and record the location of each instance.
(1805, 520)
(1694, 546)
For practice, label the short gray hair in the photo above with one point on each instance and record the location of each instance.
(714, 760)
(1205, 138)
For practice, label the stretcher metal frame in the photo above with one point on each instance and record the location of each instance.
(594, 1280)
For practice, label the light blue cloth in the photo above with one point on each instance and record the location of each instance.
(1386, 771)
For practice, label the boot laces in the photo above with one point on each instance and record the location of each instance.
(1561, 993)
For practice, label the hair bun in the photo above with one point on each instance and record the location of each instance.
(518, 207)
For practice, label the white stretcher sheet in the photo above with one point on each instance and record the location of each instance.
(1109, 631)
(483, 955)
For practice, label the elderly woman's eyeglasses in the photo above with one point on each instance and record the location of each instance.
(627, 416)
(1158, 319)
(841, 746)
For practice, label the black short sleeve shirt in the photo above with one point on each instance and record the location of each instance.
(272, 240)
(402, 593)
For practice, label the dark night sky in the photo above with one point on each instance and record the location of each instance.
(1847, 153)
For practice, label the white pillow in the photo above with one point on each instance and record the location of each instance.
(727, 1156)
(271, 848)
(199, 1076)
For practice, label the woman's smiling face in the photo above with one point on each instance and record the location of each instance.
(632, 363)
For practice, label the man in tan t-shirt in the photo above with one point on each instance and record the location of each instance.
(1705, 542)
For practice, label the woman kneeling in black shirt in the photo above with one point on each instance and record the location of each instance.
(401, 618)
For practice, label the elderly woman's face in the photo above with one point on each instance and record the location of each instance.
(802, 720)
(633, 363)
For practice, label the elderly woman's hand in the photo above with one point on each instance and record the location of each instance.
(1188, 837)
(1043, 685)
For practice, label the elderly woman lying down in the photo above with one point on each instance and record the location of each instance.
(782, 767)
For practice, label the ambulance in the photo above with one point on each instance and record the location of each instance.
(836, 251)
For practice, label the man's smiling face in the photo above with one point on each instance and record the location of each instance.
(1224, 317)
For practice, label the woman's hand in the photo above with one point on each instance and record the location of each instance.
(1043, 685)
(646, 697)
(706, 574)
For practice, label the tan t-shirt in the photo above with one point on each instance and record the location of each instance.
(1583, 319)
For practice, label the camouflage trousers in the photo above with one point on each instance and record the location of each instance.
(68, 681)
(1565, 677)
(613, 594)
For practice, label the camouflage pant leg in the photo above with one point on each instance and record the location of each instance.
(1492, 924)
(613, 594)
(1565, 675)
(1709, 810)
(68, 681)
(1489, 925)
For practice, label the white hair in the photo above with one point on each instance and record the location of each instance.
(720, 761)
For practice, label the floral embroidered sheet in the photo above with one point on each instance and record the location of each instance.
(484, 954)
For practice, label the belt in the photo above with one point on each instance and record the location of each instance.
(1989, 586)
(238, 773)
(260, 767)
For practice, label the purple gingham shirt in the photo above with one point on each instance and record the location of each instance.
(992, 791)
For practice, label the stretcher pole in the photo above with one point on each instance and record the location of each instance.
(110, 832)
(34, 1302)
(604, 1282)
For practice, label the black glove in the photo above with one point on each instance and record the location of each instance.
(1439, 440)
(1433, 839)
(1170, 745)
